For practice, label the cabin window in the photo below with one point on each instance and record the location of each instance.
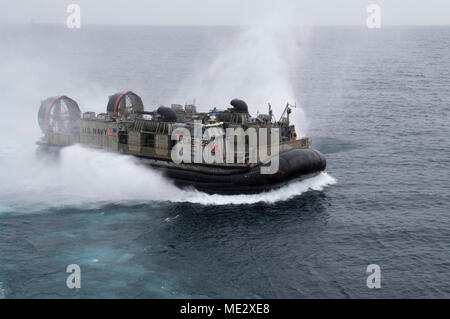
(123, 138)
(148, 140)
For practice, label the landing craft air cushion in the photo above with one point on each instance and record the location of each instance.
(155, 138)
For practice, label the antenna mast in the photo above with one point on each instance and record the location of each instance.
(288, 111)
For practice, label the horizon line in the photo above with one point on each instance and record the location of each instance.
(213, 25)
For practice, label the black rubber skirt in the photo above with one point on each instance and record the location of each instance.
(295, 164)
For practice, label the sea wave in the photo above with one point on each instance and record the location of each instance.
(89, 178)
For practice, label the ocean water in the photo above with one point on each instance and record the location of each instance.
(375, 102)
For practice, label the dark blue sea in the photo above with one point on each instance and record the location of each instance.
(375, 102)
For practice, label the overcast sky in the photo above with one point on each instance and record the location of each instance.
(226, 12)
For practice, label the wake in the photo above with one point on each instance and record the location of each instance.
(88, 178)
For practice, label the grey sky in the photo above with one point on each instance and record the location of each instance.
(225, 12)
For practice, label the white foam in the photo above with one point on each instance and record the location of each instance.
(84, 177)
(281, 194)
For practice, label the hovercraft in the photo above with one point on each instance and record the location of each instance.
(225, 151)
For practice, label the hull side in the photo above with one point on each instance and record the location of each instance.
(295, 164)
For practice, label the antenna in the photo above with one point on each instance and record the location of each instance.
(270, 112)
(288, 111)
(295, 105)
(284, 112)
